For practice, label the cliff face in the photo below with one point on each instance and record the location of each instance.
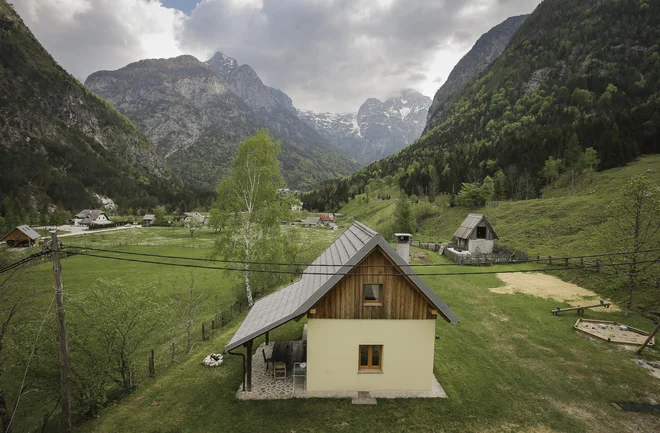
(198, 112)
(378, 129)
(484, 52)
(59, 142)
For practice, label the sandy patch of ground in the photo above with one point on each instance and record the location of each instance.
(416, 256)
(548, 287)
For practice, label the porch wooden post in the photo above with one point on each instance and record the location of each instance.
(267, 338)
(248, 364)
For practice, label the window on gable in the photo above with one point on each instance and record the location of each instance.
(371, 357)
(373, 294)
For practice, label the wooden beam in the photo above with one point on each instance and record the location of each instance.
(648, 340)
(267, 338)
(433, 311)
(248, 364)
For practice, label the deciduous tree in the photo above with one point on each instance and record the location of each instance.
(247, 203)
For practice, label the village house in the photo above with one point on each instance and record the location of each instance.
(91, 217)
(189, 216)
(475, 235)
(371, 321)
(22, 236)
(312, 221)
(326, 218)
(149, 219)
(333, 226)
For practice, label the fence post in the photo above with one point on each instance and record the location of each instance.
(212, 324)
(152, 365)
(566, 261)
(549, 260)
(173, 352)
(222, 319)
(203, 332)
(582, 262)
(598, 266)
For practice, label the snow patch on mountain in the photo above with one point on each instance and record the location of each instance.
(378, 129)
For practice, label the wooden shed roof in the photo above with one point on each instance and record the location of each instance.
(470, 223)
(320, 277)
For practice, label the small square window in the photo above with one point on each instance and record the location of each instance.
(371, 357)
(372, 294)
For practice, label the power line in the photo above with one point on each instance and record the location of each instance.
(330, 265)
(188, 265)
(22, 261)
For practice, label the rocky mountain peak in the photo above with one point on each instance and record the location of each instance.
(378, 129)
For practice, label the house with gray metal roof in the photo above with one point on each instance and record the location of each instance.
(371, 320)
(312, 221)
(22, 236)
(475, 235)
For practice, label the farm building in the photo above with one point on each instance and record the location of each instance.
(311, 221)
(369, 328)
(189, 216)
(326, 218)
(91, 217)
(149, 219)
(475, 235)
(22, 236)
(333, 226)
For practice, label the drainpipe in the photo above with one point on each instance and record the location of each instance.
(243, 356)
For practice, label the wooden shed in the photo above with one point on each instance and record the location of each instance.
(475, 235)
(22, 236)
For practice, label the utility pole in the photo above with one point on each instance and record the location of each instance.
(61, 332)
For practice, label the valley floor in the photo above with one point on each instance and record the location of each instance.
(508, 366)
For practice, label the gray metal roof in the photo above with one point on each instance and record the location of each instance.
(310, 220)
(149, 216)
(470, 223)
(338, 259)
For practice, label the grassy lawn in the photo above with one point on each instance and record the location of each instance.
(508, 366)
(80, 272)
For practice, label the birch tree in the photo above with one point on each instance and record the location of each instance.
(633, 227)
(247, 206)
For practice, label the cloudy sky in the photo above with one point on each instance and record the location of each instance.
(327, 55)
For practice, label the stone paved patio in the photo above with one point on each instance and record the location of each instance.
(265, 387)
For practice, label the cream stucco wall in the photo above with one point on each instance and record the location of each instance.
(483, 246)
(332, 354)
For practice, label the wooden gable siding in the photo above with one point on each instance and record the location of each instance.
(400, 298)
(16, 235)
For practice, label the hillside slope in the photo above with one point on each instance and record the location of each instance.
(484, 52)
(60, 143)
(378, 129)
(197, 113)
(563, 223)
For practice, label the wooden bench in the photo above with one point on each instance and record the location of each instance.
(579, 309)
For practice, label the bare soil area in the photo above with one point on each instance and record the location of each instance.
(548, 287)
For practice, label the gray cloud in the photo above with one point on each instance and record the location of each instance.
(328, 55)
(332, 55)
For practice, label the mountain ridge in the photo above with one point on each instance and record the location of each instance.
(197, 112)
(484, 52)
(378, 129)
(61, 143)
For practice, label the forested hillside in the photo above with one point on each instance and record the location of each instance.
(61, 144)
(577, 75)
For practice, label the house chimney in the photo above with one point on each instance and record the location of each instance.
(403, 245)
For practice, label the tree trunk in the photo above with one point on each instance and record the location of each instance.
(631, 284)
(5, 415)
(248, 289)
